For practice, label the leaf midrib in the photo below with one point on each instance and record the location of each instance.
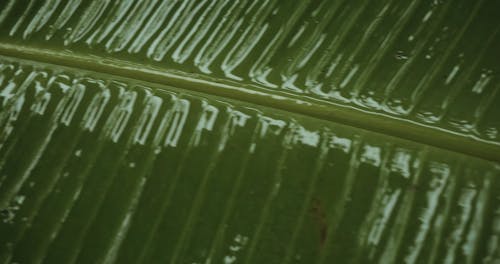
(304, 105)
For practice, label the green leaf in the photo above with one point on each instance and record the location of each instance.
(249, 131)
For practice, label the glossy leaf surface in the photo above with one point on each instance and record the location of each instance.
(150, 147)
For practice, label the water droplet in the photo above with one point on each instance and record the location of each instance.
(157, 150)
(241, 239)
(343, 144)
(229, 259)
(19, 199)
(400, 55)
(371, 155)
(234, 248)
(491, 132)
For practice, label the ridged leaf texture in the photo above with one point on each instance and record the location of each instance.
(264, 131)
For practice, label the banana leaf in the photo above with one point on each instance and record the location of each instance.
(263, 131)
